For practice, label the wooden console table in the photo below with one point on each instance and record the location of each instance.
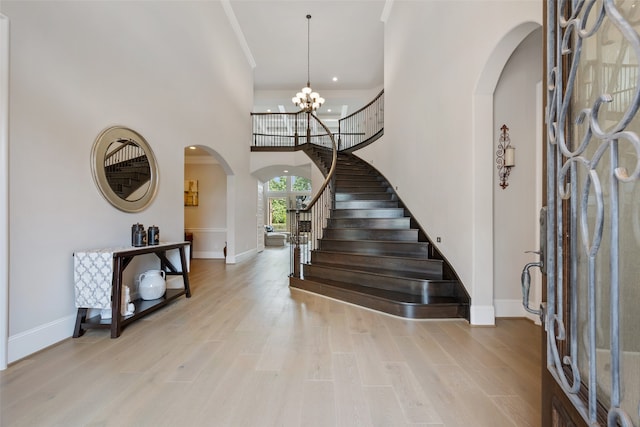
(98, 284)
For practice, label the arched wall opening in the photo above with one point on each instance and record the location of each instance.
(516, 207)
(273, 204)
(483, 171)
(209, 191)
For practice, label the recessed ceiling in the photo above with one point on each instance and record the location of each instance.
(346, 41)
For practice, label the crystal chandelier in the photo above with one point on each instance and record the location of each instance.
(307, 99)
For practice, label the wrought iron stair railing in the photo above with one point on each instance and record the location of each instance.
(362, 127)
(307, 223)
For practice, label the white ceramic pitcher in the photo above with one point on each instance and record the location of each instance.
(152, 284)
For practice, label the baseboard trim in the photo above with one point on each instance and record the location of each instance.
(483, 315)
(243, 256)
(208, 254)
(28, 342)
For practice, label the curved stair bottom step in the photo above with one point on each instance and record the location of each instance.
(394, 303)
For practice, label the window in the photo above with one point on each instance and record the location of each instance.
(278, 183)
(278, 213)
(299, 183)
(284, 193)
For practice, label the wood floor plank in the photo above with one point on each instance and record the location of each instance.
(351, 404)
(195, 358)
(318, 361)
(248, 350)
(370, 364)
(385, 409)
(318, 406)
(414, 403)
(521, 412)
(339, 336)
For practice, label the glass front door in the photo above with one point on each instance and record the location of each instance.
(592, 255)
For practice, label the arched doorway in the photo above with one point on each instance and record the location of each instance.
(483, 159)
(208, 189)
(516, 206)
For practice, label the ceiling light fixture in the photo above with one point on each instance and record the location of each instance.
(307, 99)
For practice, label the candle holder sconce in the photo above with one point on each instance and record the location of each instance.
(505, 157)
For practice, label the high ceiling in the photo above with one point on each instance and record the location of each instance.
(346, 41)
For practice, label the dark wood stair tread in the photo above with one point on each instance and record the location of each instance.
(395, 303)
(372, 254)
(384, 272)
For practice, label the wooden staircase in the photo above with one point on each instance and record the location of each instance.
(373, 253)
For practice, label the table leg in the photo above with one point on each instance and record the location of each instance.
(80, 318)
(185, 273)
(116, 298)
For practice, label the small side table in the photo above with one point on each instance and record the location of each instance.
(98, 284)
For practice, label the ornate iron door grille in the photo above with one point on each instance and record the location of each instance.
(592, 252)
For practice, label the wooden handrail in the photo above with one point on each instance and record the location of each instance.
(315, 213)
(331, 170)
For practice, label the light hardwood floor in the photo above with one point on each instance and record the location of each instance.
(246, 350)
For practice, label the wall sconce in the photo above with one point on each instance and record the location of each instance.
(505, 157)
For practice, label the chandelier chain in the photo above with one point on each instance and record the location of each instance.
(307, 99)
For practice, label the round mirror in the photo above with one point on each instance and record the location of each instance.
(124, 169)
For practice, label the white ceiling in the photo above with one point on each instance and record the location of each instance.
(346, 41)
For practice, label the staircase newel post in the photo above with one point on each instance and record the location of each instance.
(296, 248)
(309, 129)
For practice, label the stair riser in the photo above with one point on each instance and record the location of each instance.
(356, 176)
(429, 267)
(344, 197)
(395, 223)
(424, 288)
(371, 234)
(413, 250)
(359, 186)
(410, 311)
(366, 204)
(368, 213)
(362, 189)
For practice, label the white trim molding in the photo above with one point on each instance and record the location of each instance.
(243, 256)
(215, 237)
(43, 336)
(208, 254)
(233, 21)
(483, 315)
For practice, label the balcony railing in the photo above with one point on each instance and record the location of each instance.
(291, 131)
(362, 127)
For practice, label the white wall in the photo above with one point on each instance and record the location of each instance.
(4, 188)
(515, 212)
(208, 220)
(173, 71)
(436, 56)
